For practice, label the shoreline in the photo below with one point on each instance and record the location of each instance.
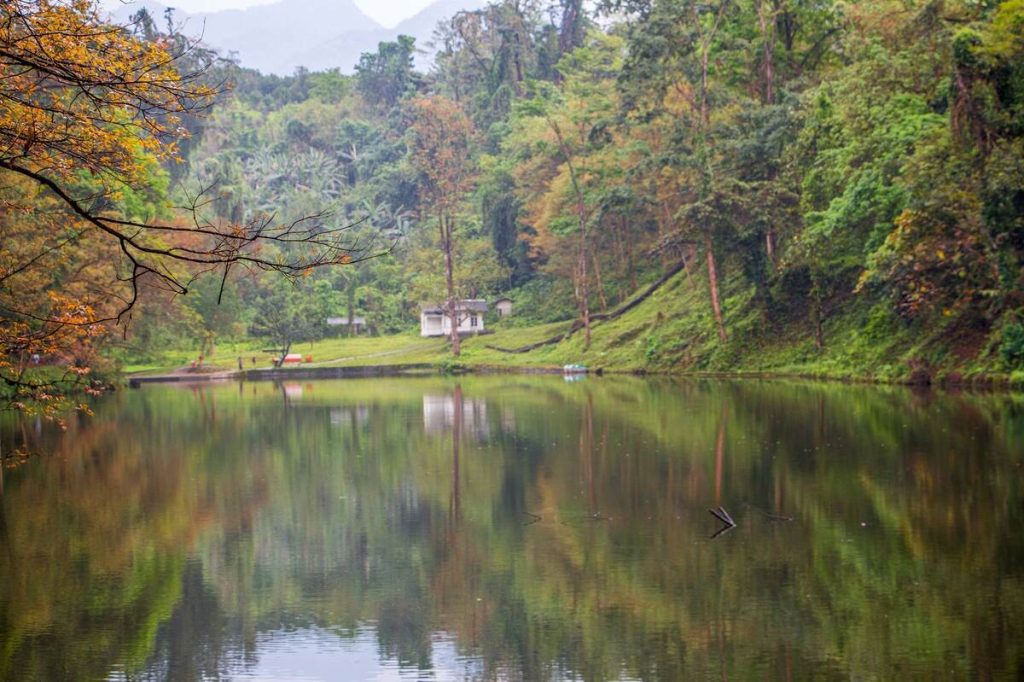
(945, 382)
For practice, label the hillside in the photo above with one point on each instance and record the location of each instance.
(672, 331)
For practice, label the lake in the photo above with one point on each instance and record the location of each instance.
(516, 527)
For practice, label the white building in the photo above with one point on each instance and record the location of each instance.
(503, 306)
(435, 321)
(358, 323)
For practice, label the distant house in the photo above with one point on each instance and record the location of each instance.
(358, 323)
(504, 306)
(435, 321)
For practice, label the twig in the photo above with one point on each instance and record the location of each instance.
(721, 531)
(723, 516)
(535, 517)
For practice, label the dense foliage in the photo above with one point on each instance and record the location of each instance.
(808, 163)
(807, 158)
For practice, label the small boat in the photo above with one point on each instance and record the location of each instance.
(574, 369)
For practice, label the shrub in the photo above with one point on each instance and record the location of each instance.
(1012, 348)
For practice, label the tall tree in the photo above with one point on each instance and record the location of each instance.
(671, 46)
(387, 76)
(561, 132)
(440, 139)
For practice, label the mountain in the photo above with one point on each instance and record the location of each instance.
(343, 50)
(316, 34)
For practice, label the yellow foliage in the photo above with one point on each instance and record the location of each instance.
(77, 94)
(85, 109)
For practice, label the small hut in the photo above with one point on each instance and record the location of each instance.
(358, 323)
(504, 306)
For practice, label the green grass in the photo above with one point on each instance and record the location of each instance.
(671, 332)
(225, 357)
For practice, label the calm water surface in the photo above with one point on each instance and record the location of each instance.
(517, 528)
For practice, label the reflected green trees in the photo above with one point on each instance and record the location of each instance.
(551, 529)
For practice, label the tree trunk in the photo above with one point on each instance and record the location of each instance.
(456, 499)
(453, 313)
(351, 309)
(686, 266)
(713, 285)
(819, 337)
(630, 265)
(705, 117)
(569, 33)
(584, 287)
(788, 28)
(766, 15)
(766, 19)
(600, 284)
(720, 453)
(663, 219)
(817, 312)
(517, 61)
(587, 451)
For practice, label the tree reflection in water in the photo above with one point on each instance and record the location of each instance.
(514, 527)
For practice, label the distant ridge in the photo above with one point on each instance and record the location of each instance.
(316, 34)
(343, 50)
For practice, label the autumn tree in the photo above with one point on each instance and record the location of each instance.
(88, 112)
(440, 139)
(560, 135)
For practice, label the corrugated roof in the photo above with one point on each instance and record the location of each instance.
(473, 305)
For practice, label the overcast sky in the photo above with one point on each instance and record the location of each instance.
(386, 12)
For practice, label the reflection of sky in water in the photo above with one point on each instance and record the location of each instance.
(314, 655)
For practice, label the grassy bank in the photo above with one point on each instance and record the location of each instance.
(672, 332)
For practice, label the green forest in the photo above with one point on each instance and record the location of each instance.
(826, 188)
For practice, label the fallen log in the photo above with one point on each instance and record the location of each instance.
(533, 346)
(598, 317)
(654, 286)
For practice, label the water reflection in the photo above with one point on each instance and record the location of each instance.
(440, 413)
(513, 527)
